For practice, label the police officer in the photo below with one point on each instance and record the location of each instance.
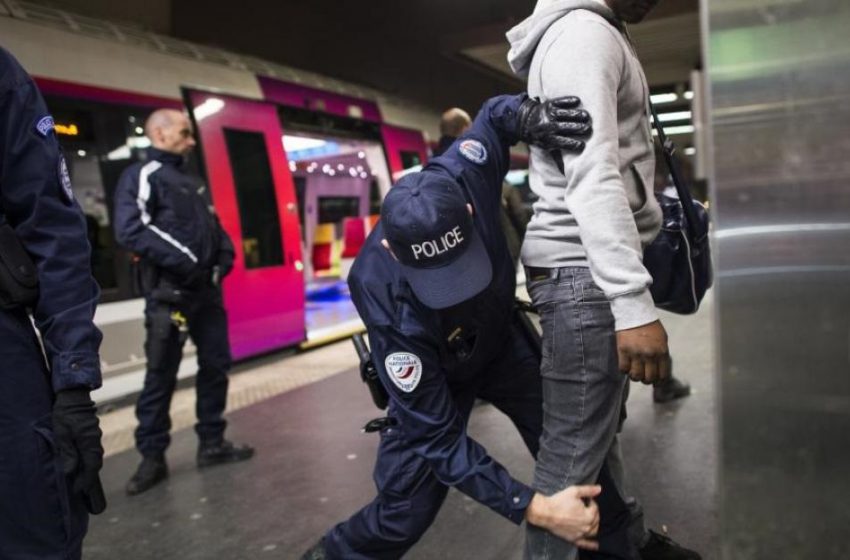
(435, 286)
(162, 216)
(50, 450)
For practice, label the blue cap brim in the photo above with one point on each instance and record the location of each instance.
(456, 282)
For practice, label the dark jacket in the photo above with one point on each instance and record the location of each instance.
(162, 216)
(399, 324)
(37, 201)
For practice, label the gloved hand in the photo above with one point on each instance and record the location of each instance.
(556, 124)
(78, 434)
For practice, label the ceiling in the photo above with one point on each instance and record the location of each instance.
(439, 53)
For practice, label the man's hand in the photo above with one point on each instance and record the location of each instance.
(556, 124)
(643, 353)
(570, 514)
(78, 434)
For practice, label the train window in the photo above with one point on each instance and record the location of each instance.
(99, 141)
(333, 209)
(375, 198)
(261, 234)
(300, 192)
(410, 159)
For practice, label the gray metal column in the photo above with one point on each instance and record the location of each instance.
(779, 87)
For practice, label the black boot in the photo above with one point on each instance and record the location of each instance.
(223, 452)
(151, 472)
(669, 390)
(316, 552)
(662, 547)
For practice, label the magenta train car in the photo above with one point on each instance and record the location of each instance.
(296, 167)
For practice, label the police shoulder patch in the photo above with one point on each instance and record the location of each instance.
(404, 370)
(474, 151)
(44, 126)
(65, 180)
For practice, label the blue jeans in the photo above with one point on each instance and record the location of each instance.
(582, 392)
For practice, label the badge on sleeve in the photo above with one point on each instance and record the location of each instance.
(474, 151)
(404, 370)
(65, 180)
(44, 126)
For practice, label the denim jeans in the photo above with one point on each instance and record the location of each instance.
(582, 391)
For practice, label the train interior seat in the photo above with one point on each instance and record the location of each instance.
(353, 236)
(326, 253)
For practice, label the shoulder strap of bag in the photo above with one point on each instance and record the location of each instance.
(669, 150)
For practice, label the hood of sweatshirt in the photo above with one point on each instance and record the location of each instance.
(525, 37)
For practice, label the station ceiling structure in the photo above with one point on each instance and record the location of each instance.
(439, 53)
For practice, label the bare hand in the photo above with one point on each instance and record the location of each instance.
(570, 514)
(643, 353)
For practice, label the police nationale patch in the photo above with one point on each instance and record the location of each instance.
(44, 126)
(404, 370)
(65, 180)
(474, 151)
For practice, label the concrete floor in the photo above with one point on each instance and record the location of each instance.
(313, 469)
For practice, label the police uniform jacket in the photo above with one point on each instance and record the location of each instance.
(409, 341)
(36, 200)
(161, 214)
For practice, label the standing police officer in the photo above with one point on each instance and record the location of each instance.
(162, 216)
(50, 451)
(438, 302)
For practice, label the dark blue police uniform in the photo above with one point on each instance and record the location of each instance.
(434, 364)
(163, 217)
(39, 517)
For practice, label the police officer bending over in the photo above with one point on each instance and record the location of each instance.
(161, 215)
(50, 451)
(435, 286)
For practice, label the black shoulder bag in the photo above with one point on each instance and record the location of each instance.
(679, 259)
(18, 275)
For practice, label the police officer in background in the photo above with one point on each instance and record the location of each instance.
(162, 216)
(435, 286)
(50, 450)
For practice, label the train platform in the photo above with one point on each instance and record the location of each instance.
(303, 413)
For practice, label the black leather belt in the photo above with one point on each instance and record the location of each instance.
(534, 273)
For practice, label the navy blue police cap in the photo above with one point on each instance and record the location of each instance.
(430, 231)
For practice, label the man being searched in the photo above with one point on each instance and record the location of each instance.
(583, 247)
(435, 287)
(162, 216)
(50, 449)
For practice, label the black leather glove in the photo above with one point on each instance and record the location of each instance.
(556, 124)
(78, 434)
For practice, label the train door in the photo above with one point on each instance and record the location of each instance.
(406, 149)
(253, 192)
(340, 171)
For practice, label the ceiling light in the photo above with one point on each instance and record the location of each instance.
(297, 143)
(660, 98)
(675, 116)
(209, 107)
(673, 130)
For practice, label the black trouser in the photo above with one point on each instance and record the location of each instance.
(39, 517)
(207, 324)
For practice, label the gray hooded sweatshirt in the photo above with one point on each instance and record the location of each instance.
(601, 211)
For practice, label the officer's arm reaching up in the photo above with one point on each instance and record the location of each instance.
(555, 125)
